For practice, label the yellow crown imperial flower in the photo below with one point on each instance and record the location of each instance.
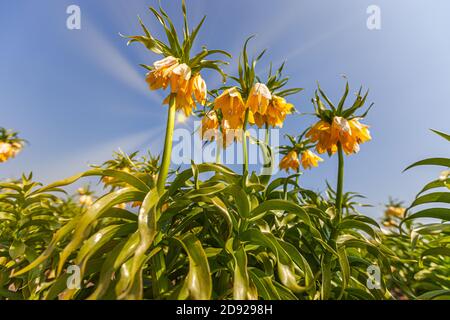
(397, 212)
(179, 80)
(321, 133)
(350, 133)
(232, 106)
(290, 161)
(5, 151)
(230, 134)
(199, 88)
(277, 111)
(16, 148)
(86, 200)
(210, 126)
(9, 150)
(338, 126)
(310, 159)
(259, 98)
(160, 76)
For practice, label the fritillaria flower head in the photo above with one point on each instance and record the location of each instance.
(178, 68)
(299, 147)
(10, 144)
(338, 125)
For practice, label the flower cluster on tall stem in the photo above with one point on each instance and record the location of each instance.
(299, 147)
(10, 144)
(179, 71)
(338, 130)
(249, 102)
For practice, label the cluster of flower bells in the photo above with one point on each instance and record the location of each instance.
(186, 86)
(9, 150)
(263, 108)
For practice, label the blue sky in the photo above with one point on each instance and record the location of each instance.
(77, 95)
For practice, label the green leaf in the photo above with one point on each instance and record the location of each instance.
(443, 135)
(436, 213)
(240, 198)
(345, 268)
(443, 197)
(283, 205)
(445, 162)
(198, 283)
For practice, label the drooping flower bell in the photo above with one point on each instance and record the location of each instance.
(186, 87)
(232, 107)
(310, 159)
(300, 146)
(210, 126)
(277, 111)
(338, 126)
(199, 88)
(259, 98)
(229, 134)
(160, 76)
(5, 151)
(395, 211)
(86, 198)
(321, 133)
(10, 144)
(290, 161)
(178, 68)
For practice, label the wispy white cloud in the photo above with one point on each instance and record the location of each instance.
(79, 160)
(106, 56)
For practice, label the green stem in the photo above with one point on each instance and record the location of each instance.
(218, 151)
(244, 145)
(328, 257)
(165, 164)
(340, 182)
(267, 135)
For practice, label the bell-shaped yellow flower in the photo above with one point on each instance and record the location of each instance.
(397, 212)
(232, 106)
(359, 131)
(210, 126)
(86, 200)
(160, 76)
(199, 88)
(9, 150)
(290, 161)
(350, 133)
(321, 133)
(276, 113)
(229, 134)
(179, 80)
(257, 118)
(259, 98)
(309, 159)
(5, 151)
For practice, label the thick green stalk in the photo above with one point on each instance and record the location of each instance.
(244, 145)
(267, 135)
(165, 164)
(218, 151)
(340, 182)
(328, 257)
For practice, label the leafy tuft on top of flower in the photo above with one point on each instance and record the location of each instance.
(178, 68)
(339, 125)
